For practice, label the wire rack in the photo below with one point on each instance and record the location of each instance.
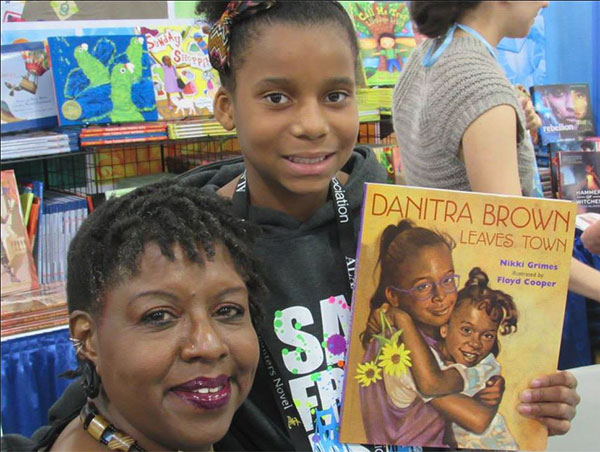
(97, 169)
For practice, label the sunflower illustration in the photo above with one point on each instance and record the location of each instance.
(368, 373)
(394, 359)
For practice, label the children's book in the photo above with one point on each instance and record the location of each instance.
(591, 144)
(184, 81)
(18, 268)
(385, 37)
(579, 179)
(565, 111)
(467, 298)
(28, 100)
(102, 79)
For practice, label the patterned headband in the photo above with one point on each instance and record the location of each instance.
(218, 39)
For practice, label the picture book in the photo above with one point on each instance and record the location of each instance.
(102, 79)
(184, 81)
(456, 294)
(18, 269)
(565, 111)
(28, 100)
(579, 179)
(385, 37)
(591, 144)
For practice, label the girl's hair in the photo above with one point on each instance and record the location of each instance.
(108, 246)
(434, 18)
(397, 245)
(499, 306)
(287, 12)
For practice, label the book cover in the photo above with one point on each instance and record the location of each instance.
(184, 81)
(565, 111)
(101, 79)
(474, 295)
(28, 100)
(18, 269)
(588, 145)
(579, 179)
(385, 37)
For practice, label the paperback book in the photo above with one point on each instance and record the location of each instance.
(565, 111)
(456, 293)
(18, 268)
(579, 179)
(385, 37)
(101, 79)
(28, 100)
(184, 81)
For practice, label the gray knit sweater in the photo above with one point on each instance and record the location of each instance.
(433, 107)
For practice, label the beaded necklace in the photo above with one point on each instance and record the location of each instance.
(106, 433)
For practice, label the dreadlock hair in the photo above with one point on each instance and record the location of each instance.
(108, 246)
(399, 243)
(286, 12)
(499, 306)
(434, 18)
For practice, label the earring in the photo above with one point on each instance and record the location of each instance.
(77, 344)
(90, 380)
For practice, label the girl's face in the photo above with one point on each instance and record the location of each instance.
(176, 350)
(294, 109)
(431, 265)
(470, 335)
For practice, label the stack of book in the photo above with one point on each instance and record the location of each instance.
(62, 214)
(197, 128)
(33, 310)
(126, 133)
(38, 143)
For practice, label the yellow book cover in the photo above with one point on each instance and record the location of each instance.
(458, 305)
(184, 81)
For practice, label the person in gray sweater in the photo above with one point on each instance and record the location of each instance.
(458, 120)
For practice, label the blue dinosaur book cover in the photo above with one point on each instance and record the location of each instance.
(102, 79)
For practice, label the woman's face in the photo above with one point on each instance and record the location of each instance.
(430, 265)
(176, 350)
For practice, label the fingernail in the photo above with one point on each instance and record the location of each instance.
(525, 409)
(526, 396)
(536, 383)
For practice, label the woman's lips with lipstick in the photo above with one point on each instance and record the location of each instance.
(206, 393)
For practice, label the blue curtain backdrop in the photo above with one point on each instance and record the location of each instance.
(30, 382)
(573, 47)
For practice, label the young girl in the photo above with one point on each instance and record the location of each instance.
(288, 88)
(464, 360)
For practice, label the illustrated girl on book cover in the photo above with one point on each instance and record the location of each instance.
(425, 312)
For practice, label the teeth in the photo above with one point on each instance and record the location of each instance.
(207, 390)
(306, 161)
(469, 355)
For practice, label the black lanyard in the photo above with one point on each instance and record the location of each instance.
(279, 388)
(341, 207)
